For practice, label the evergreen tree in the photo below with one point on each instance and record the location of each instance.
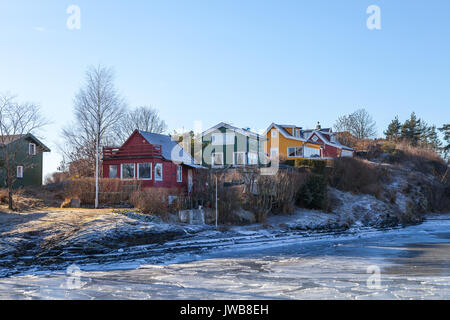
(446, 131)
(393, 131)
(412, 130)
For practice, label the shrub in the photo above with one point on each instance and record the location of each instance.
(111, 191)
(317, 166)
(358, 176)
(313, 194)
(152, 201)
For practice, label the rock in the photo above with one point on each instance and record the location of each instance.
(196, 216)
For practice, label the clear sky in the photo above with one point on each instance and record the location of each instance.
(247, 62)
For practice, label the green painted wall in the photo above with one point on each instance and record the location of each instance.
(242, 143)
(33, 165)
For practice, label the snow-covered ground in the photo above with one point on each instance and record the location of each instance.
(284, 259)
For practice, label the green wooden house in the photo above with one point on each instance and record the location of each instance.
(227, 146)
(24, 153)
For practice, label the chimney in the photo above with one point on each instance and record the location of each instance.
(318, 127)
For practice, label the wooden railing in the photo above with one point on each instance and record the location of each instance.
(132, 151)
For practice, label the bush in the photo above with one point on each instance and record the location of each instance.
(111, 191)
(317, 166)
(313, 194)
(358, 176)
(154, 201)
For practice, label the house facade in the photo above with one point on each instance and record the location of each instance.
(156, 160)
(25, 156)
(227, 146)
(287, 143)
(330, 146)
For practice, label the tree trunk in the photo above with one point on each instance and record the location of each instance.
(10, 199)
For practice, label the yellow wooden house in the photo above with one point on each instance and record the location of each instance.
(288, 143)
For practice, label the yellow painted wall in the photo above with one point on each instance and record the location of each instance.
(284, 143)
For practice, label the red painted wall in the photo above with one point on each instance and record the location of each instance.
(169, 168)
(327, 150)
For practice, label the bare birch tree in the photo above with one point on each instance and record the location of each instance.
(143, 118)
(98, 107)
(360, 124)
(17, 121)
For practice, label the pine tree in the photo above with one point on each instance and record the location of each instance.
(393, 131)
(412, 130)
(446, 131)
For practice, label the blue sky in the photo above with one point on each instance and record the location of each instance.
(246, 62)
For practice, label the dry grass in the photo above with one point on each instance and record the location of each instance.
(358, 176)
(112, 191)
(155, 201)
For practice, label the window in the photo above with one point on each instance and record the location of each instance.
(294, 152)
(32, 149)
(239, 159)
(217, 159)
(113, 172)
(312, 153)
(274, 133)
(19, 172)
(145, 171)
(179, 174)
(315, 138)
(252, 158)
(217, 139)
(158, 171)
(229, 138)
(347, 153)
(128, 171)
(297, 133)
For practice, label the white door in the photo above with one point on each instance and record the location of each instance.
(190, 180)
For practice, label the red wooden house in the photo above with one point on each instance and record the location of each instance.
(331, 147)
(155, 159)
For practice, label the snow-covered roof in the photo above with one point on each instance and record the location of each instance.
(171, 150)
(244, 132)
(285, 133)
(336, 144)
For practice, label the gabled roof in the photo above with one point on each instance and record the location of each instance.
(336, 144)
(286, 134)
(244, 132)
(171, 150)
(5, 140)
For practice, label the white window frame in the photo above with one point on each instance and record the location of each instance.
(121, 171)
(32, 149)
(179, 174)
(162, 172)
(212, 160)
(19, 172)
(117, 173)
(151, 171)
(217, 139)
(250, 163)
(315, 138)
(234, 159)
(230, 139)
(296, 154)
(308, 152)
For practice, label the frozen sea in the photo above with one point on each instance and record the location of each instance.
(400, 263)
